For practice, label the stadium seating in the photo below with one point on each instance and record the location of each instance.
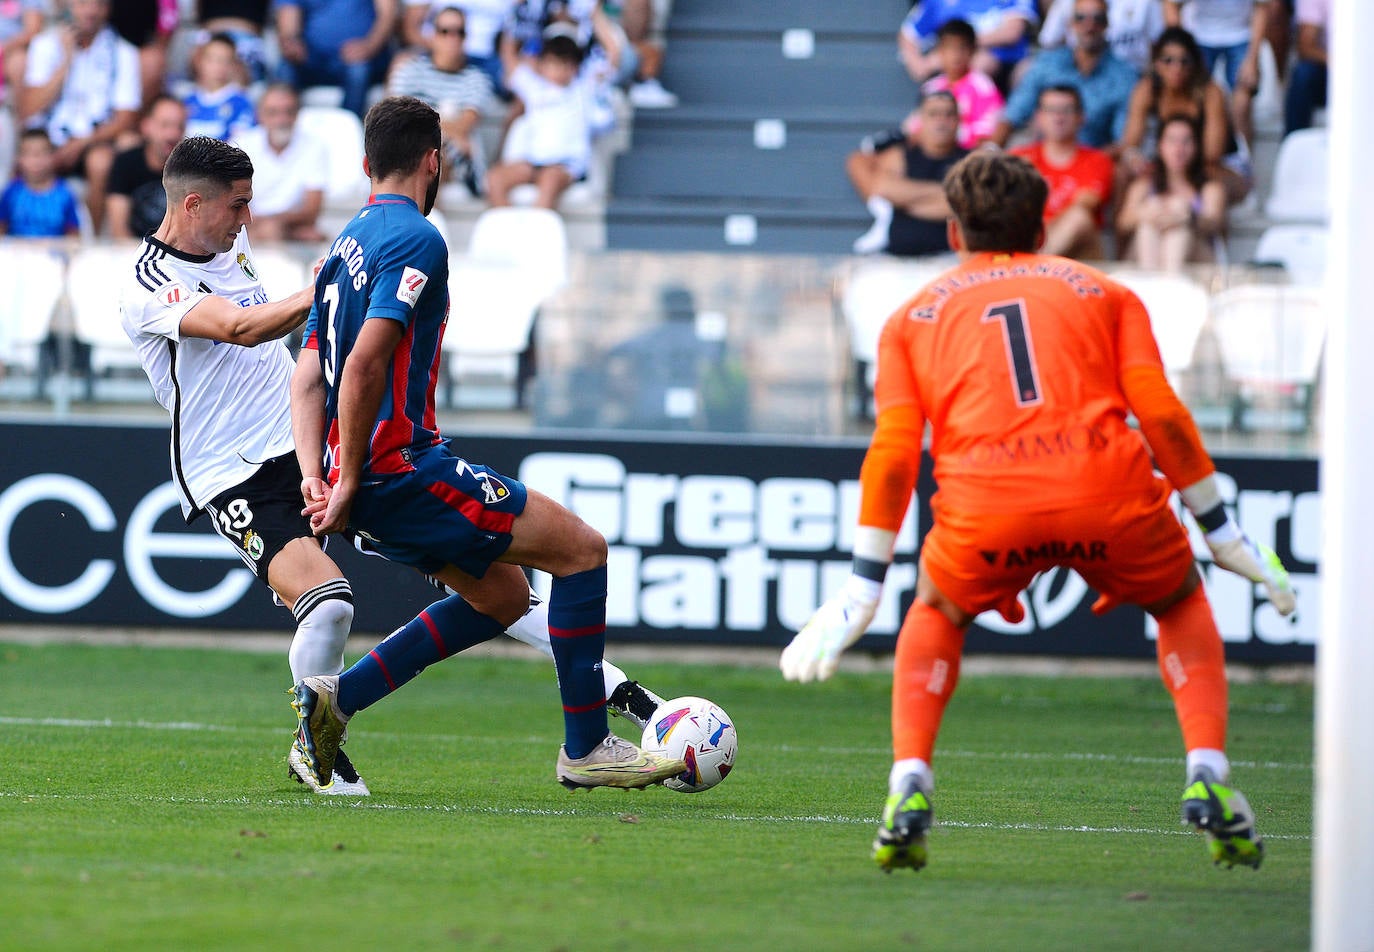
(1299, 191)
(517, 258)
(1299, 249)
(94, 271)
(872, 291)
(281, 273)
(29, 294)
(342, 133)
(1270, 339)
(773, 97)
(1178, 310)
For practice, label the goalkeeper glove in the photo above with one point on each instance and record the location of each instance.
(1236, 552)
(814, 653)
(1233, 550)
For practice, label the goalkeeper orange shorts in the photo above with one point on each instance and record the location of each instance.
(1131, 550)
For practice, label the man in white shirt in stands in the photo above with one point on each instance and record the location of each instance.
(292, 168)
(82, 84)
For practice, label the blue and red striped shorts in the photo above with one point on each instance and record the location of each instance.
(446, 512)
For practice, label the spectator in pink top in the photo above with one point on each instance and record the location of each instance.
(980, 103)
(980, 109)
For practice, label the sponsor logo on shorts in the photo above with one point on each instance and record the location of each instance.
(1057, 552)
(253, 545)
(246, 267)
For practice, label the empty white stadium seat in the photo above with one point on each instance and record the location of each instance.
(280, 272)
(342, 134)
(874, 289)
(1270, 338)
(94, 279)
(1301, 249)
(1299, 192)
(1178, 310)
(30, 289)
(517, 259)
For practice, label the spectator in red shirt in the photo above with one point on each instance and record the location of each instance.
(1080, 178)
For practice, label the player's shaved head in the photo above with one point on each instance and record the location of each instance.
(206, 165)
(397, 135)
(999, 200)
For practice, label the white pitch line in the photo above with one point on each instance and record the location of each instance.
(1082, 756)
(352, 803)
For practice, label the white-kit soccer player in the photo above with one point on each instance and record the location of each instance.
(211, 344)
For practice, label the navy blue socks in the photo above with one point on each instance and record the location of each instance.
(444, 628)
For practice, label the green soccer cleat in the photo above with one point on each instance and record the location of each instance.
(901, 839)
(1225, 816)
(615, 762)
(319, 727)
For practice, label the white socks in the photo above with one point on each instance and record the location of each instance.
(905, 768)
(1211, 760)
(324, 617)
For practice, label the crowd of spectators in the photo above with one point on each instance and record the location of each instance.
(1138, 113)
(1077, 86)
(112, 85)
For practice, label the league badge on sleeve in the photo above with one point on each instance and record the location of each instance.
(173, 294)
(413, 281)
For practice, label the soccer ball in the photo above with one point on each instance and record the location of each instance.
(697, 731)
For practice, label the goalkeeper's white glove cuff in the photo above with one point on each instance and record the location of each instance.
(863, 591)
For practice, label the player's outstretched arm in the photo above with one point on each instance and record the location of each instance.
(1180, 456)
(1235, 551)
(217, 318)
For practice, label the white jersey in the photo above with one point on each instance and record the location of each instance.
(230, 405)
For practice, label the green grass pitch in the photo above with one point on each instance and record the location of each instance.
(144, 804)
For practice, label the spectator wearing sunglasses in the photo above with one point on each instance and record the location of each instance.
(1104, 82)
(1229, 31)
(1132, 27)
(460, 91)
(1179, 84)
(483, 21)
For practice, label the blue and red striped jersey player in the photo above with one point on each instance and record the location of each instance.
(386, 474)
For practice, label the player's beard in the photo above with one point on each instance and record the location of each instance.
(431, 194)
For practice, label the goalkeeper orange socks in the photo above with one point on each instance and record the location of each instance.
(925, 673)
(444, 628)
(577, 635)
(1193, 665)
